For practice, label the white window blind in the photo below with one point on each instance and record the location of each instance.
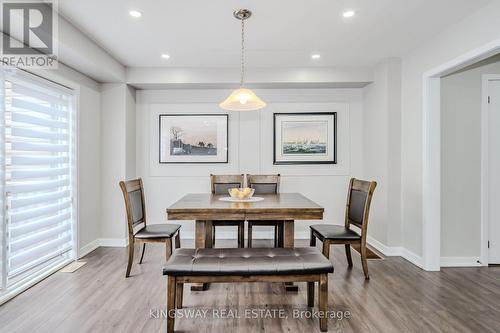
(39, 174)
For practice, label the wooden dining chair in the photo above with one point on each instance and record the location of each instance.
(138, 229)
(220, 184)
(359, 199)
(266, 184)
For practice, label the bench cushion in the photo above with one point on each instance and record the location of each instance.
(253, 261)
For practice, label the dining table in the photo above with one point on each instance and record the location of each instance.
(203, 208)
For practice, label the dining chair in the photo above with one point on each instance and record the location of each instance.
(220, 184)
(265, 184)
(138, 229)
(359, 199)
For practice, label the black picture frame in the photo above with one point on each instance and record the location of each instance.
(301, 114)
(225, 115)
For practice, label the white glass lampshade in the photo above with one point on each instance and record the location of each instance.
(242, 100)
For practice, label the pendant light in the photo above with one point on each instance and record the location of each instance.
(242, 99)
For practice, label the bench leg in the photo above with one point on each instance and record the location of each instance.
(323, 302)
(179, 295)
(310, 294)
(171, 286)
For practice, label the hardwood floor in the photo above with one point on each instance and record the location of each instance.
(399, 298)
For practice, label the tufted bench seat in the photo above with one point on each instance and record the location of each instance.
(247, 265)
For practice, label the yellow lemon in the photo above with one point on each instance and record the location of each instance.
(247, 190)
(234, 192)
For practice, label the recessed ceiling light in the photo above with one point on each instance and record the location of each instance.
(135, 13)
(315, 56)
(165, 56)
(349, 13)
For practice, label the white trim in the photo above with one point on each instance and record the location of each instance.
(460, 262)
(30, 283)
(431, 207)
(395, 251)
(388, 251)
(113, 242)
(412, 258)
(486, 78)
(86, 249)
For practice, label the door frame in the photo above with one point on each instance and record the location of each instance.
(431, 150)
(486, 78)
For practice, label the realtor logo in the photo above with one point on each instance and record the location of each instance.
(29, 33)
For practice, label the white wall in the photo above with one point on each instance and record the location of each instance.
(117, 158)
(474, 31)
(461, 160)
(381, 150)
(250, 142)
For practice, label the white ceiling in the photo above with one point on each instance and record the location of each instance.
(203, 33)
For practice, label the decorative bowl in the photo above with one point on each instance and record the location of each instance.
(241, 193)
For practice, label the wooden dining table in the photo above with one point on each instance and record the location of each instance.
(203, 208)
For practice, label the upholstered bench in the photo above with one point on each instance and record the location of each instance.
(247, 265)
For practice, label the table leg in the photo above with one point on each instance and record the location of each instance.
(203, 239)
(289, 240)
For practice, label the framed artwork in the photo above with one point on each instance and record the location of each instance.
(193, 138)
(305, 138)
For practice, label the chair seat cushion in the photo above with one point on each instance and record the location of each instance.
(250, 261)
(332, 231)
(158, 231)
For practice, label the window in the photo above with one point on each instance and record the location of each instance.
(38, 178)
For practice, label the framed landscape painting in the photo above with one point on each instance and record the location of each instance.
(193, 138)
(305, 138)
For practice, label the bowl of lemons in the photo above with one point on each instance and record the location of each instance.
(241, 193)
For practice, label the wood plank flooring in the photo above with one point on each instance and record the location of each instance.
(399, 298)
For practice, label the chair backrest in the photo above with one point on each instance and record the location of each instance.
(359, 199)
(264, 184)
(133, 194)
(220, 184)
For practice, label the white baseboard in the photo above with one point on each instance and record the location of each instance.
(412, 257)
(460, 262)
(86, 249)
(395, 251)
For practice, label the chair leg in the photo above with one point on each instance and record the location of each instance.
(326, 248)
(143, 250)
(323, 302)
(364, 262)
(241, 235)
(168, 248)
(249, 234)
(171, 290)
(179, 295)
(130, 256)
(276, 236)
(312, 239)
(348, 254)
(281, 226)
(178, 240)
(310, 294)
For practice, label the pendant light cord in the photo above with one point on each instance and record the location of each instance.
(242, 52)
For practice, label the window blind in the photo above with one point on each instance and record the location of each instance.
(39, 174)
